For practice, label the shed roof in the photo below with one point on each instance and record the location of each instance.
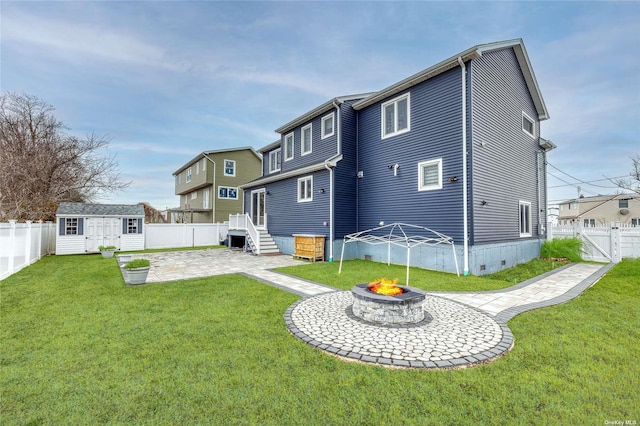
(88, 209)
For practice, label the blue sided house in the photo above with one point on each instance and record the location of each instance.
(455, 148)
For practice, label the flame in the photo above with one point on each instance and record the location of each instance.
(385, 286)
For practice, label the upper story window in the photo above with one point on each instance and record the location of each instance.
(205, 198)
(623, 204)
(229, 167)
(188, 175)
(525, 218)
(306, 144)
(528, 125)
(198, 167)
(204, 164)
(396, 116)
(305, 189)
(430, 175)
(194, 195)
(327, 126)
(288, 147)
(274, 161)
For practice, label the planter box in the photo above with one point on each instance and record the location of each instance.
(135, 276)
(107, 253)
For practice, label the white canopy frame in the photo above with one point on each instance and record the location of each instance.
(397, 234)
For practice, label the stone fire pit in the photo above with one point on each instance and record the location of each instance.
(404, 308)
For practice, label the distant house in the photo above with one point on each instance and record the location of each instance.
(455, 148)
(83, 227)
(209, 184)
(601, 210)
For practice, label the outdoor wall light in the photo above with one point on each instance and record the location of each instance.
(268, 193)
(484, 202)
(321, 190)
(453, 179)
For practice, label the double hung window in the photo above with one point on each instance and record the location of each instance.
(327, 126)
(188, 175)
(288, 147)
(229, 167)
(305, 189)
(306, 144)
(274, 161)
(525, 218)
(227, 193)
(396, 118)
(528, 125)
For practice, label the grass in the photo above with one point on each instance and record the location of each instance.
(570, 248)
(358, 271)
(80, 347)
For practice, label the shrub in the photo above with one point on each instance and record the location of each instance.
(137, 263)
(571, 248)
(103, 248)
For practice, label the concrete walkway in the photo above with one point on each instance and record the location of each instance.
(463, 329)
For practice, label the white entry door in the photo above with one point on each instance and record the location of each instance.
(258, 208)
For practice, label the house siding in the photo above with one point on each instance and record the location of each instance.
(286, 216)
(345, 181)
(503, 156)
(435, 122)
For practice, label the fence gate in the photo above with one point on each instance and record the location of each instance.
(602, 243)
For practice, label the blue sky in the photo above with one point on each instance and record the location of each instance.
(168, 80)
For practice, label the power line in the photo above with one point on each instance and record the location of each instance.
(572, 184)
(589, 183)
(580, 180)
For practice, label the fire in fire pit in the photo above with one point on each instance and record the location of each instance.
(385, 286)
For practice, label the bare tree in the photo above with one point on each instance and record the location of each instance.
(632, 183)
(41, 165)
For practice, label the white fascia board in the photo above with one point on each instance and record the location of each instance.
(322, 109)
(216, 151)
(292, 173)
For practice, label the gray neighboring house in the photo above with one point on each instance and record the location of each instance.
(83, 227)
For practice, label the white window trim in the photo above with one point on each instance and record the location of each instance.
(322, 127)
(310, 198)
(194, 195)
(225, 168)
(302, 151)
(274, 153)
(205, 198)
(533, 124)
(520, 204)
(198, 168)
(293, 146)
(71, 227)
(204, 164)
(395, 116)
(188, 172)
(421, 166)
(235, 188)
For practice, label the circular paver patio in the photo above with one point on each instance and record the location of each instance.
(452, 335)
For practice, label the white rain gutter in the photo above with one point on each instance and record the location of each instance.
(329, 164)
(465, 201)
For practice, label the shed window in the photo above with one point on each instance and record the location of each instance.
(327, 126)
(274, 161)
(307, 142)
(305, 189)
(288, 147)
(229, 167)
(71, 226)
(525, 218)
(396, 116)
(430, 175)
(132, 225)
(528, 125)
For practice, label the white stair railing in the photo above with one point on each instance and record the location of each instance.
(243, 222)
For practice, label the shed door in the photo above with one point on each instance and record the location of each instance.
(102, 232)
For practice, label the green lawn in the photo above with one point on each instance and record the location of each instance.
(79, 347)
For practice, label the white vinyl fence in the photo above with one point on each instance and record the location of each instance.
(602, 243)
(22, 244)
(170, 235)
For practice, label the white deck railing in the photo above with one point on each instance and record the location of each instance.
(242, 222)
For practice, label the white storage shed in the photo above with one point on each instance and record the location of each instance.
(82, 227)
